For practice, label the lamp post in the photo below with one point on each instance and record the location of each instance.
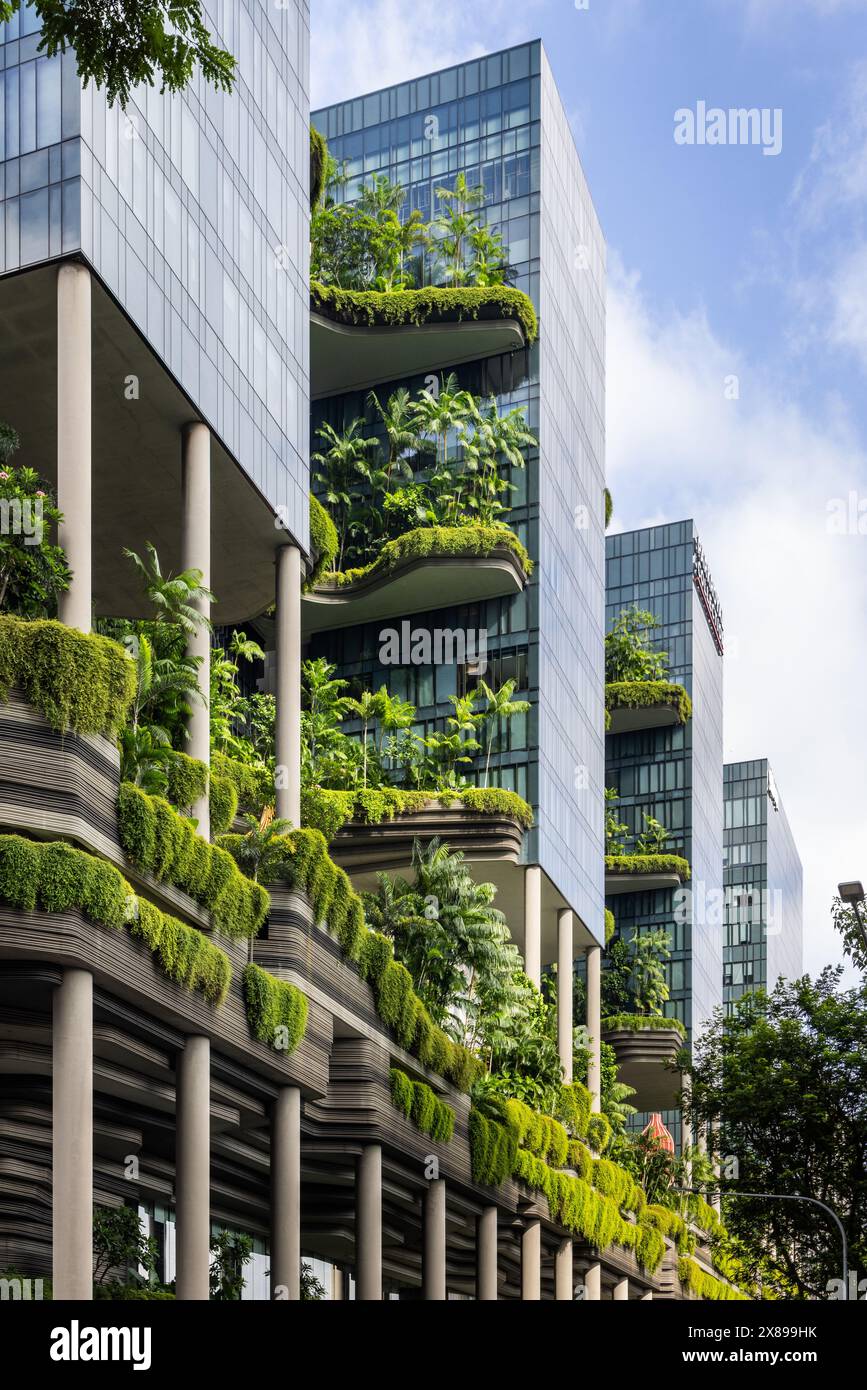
(853, 894)
(787, 1197)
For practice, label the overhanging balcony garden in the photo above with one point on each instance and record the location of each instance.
(646, 1047)
(636, 863)
(638, 693)
(394, 297)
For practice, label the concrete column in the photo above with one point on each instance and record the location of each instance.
(74, 440)
(193, 1168)
(565, 991)
(564, 1281)
(72, 1136)
(196, 554)
(531, 1263)
(486, 1256)
(286, 1195)
(593, 1284)
(337, 1294)
(594, 1023)
(368, 1225)
(533, 923)
(621, 1291)
(434, 1269)
(288, 727)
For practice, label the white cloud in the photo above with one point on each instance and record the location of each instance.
(358, 48)
(848, 303)
(757, 475)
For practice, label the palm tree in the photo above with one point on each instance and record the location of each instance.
(489, 264)
(499, 706)
(339, 463)
(380, 196)
(438, 415)
(174, 598)
(397, 417)
(368, 709)
(457, 221)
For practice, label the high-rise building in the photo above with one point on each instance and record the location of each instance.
(764, 885)
(674, 773)
(499, 121)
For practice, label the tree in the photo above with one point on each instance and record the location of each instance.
(174, 597)
(33, 571)
(231, 1251)
(786, 1078)
(397, 420)
(119, 45)
(458, 220)
(499, 708)
(339, 463)
(119, 1243)
(628, 653)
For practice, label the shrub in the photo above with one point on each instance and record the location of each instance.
(638, 1023)
(318, 160)
(56, 877)
(399, 308)
(276, 1009)
(647, 864)
(703, 1285)
(328, 811)
(428, 541)
(643, 694)
(159, 841)
(324, 543)
(254, 787)
(419, 1104)
(599, 1133)
(187, 780)
(81, 683)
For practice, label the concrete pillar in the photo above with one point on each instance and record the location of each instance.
(72, 1136)
(287, 737)
(565, 991)
(74, 440)
(286, 1195)
(368, 1225)
(196, 554)
(531, 1262)
(593, 1284)
(486, 1256)
(337, 1294)
(434, 1268)
(564, 1281)
(594, 1023)
(533, 923)
(621, 1291)
(193, 1168)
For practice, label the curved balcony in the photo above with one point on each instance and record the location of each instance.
(634, 705)
(435, 567)
(362, 339)
(646, 1051)
(483, 836)
(641, 873)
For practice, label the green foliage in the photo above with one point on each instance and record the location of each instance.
(159, 841)
(187, 780)
(636, 1023)
(185, 955)
(252, 784)
(276, 1009)
(117, 47)
(328, 811)
(609, 508)
(120, 1243)
(629, 655)
(493, 1150)
(645, 694)
(703, 1285)
(418, 1103)
(324, 543)
(647, 864)
(318, 161)
(33, 571)
(231, 1252)
(443, 541)
(81, 683)
(785, 1076)
(599, 1133)
(223, 801)
(430, 305)
(610, 926)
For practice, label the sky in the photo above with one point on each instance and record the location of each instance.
(737, 335)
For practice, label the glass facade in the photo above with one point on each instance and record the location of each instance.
(500, 121)
(764, 907)
(675, 773)
(193, 210)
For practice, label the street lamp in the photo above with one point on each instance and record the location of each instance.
(853, 895)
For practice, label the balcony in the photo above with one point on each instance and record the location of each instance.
(646, 1050)
(634, 705)
(641, 873)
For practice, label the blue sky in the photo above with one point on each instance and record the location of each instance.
(722, 262)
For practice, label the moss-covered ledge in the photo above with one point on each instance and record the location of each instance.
(644, 695)
(329, 811)
(642, 1023)
(38, 876)
(640, 865)
(434, 542)
(80, 682)
(405, 308)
